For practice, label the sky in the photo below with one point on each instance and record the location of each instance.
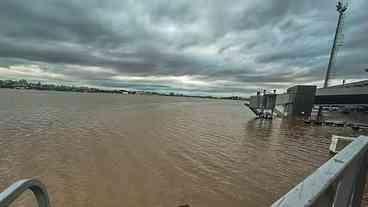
(199, 47)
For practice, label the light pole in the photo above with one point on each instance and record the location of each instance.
(341, 9)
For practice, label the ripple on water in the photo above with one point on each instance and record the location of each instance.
(105, 150)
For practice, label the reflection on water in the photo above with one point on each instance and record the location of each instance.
(115, 150)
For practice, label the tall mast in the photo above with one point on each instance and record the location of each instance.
(341, 10)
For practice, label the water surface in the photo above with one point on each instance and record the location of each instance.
(124, 150)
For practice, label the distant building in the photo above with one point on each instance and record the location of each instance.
(363, 83)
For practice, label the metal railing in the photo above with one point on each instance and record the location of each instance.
(14, 191)
(339, 182)
(338, 142)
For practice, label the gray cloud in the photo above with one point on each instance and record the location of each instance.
(190, 46)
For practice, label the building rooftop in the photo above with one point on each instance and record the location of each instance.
(363, 83)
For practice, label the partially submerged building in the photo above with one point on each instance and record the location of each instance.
(297, 101)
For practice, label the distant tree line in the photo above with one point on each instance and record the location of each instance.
(24, 84)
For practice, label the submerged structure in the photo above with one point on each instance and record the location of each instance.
(297, 101)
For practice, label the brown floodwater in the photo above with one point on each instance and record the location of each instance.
(131, 150)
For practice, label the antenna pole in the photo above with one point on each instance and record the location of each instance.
(341, 9)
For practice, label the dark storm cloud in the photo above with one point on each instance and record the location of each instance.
(183, 45)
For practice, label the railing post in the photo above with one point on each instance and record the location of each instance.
(360, 181)
(345, 187)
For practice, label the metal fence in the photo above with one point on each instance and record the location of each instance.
(14, 191)
(339, 182)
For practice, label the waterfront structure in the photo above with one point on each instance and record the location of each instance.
(297, 101)
(350, 93)
(263, 105)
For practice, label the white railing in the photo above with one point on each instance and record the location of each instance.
(339, 182)
(338, 142)
(14, 191)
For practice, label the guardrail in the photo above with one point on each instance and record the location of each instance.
(339, 182)
(338, 142)
(14, 191)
